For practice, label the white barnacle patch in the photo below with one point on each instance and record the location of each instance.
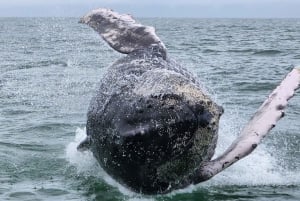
(138, 62)
(158, 81)
(112, 36)
(191, 92)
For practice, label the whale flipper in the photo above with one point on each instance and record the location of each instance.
(256, 129)
(85, 144)
(121, 32)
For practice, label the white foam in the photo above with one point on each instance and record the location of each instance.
(82, 160)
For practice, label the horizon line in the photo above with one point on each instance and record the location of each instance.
(162, 17)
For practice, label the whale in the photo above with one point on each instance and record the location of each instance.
(151, 125)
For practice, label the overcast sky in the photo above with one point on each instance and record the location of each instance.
(155, 8)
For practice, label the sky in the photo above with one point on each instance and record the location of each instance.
(155, 8)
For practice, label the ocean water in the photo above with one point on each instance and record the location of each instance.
(50, 69)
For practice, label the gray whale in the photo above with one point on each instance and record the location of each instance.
(150, 125)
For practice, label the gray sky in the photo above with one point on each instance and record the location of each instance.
(155, 8)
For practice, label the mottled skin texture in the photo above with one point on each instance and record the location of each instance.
(150, 125)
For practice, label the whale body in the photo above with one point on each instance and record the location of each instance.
(150, 122)
(150, 125)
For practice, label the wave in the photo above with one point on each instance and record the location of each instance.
(47, 63)
(253, 51)
(25, 147)
(296, 57)
(241, 50)
(211, 51)
(266, 52)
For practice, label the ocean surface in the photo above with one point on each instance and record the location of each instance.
(50, 68)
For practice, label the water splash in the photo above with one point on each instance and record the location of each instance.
(259, 168)
(87, 165)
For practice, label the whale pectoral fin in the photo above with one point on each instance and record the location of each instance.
(85, 144)
(121, 31)
(256, 129)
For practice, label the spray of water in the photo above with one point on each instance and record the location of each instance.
(260, 168)
(87, 164)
